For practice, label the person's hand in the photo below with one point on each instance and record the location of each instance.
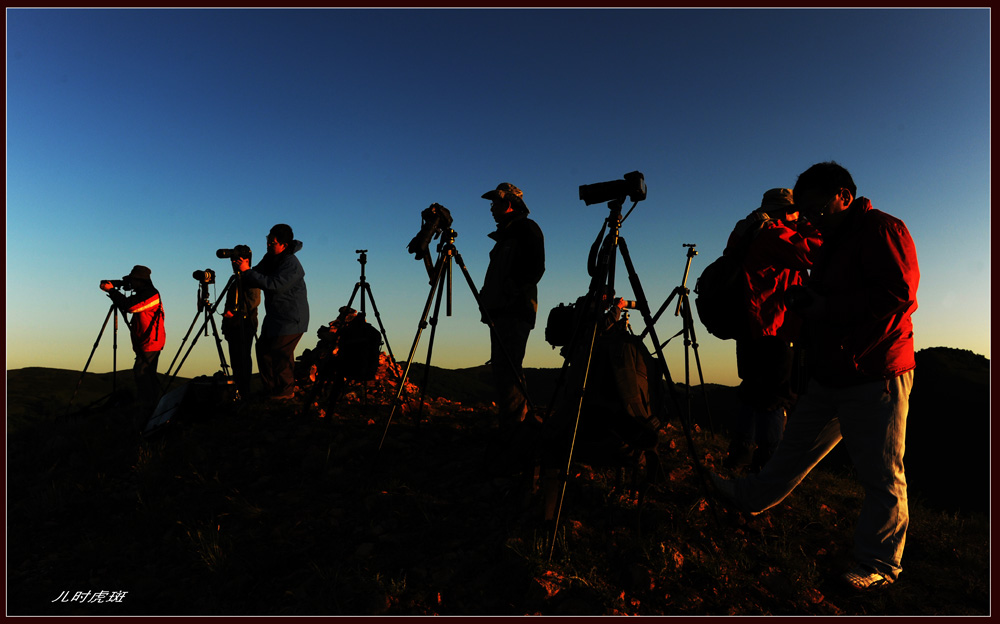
(106, 285)
(244, 264)
(228, 314)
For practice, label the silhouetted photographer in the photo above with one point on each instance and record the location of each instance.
(510, 296)
(239, 319)
(146, 329)
(286, 310)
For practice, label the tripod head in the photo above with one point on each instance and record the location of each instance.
(691, 253)
(363, 259)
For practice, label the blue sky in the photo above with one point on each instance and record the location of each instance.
(156, 137)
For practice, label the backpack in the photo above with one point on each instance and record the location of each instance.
(720, 297)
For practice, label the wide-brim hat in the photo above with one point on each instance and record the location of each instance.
(778, 199)
(506, 190)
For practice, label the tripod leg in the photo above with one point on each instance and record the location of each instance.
(355, 292)
(188, 352)
(181, 347)
(430, 351)
(381, 327)
(435, 284)
(689, 321)
(92, 351)
(572, 444)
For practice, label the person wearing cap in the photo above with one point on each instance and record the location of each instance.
(146, 330)
(239, 324)
(509, 296)
(779, 256)
(281, 277)
(858, 335)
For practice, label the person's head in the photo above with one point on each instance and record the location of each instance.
(823, 190)
(506, 202)
(139, 276)
(279, 238)
(777, 203)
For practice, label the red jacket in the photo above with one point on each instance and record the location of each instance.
(778, 257)
(146, 309)
(868, 273)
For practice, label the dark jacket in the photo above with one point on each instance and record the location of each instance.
(147, 327)
(778, 258)
(517, 262)
(242, 301)
(282, 278)
(868, 272)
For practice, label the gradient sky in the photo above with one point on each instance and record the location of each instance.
(156, 137)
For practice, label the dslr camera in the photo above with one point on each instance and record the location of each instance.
(632, 186)
(435, 219)
(236, 253)
(205, 277)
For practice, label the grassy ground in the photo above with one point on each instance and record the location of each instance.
(272, 509)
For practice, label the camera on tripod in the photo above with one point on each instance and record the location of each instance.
(632, 186)
(205, 277)
(236, 253)
(435, 219)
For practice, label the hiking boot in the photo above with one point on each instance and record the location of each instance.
(863, 578)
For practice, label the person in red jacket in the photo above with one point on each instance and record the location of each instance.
(858, 334)
(777, 259)
(147, 331)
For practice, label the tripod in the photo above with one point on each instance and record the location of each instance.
(205, 306)
(690, 340)
(114, 353)
(599, 298)
(365, 288)
(441, 279)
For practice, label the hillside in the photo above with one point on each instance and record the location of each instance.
(274, 510)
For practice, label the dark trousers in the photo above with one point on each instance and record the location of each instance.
(276, 363)
(146, 383)
(766, 365)
(510, 337)
(240, 359)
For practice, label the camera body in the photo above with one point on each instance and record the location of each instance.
(205, 277)
(236, 253)
(632, 186)
(436, 218)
